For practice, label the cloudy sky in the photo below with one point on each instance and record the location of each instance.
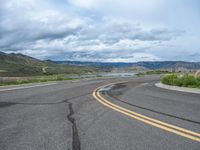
(102, 30)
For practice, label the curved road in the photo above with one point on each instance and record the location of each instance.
(65, 115)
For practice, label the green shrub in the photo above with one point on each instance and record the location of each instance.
(36, 79)
(185, 80)
(170, 79)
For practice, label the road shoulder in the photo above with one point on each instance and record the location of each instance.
(176, 88)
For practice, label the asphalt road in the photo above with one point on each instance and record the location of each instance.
(66, 116)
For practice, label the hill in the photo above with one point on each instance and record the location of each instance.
(21, 65)
(154, 65)
(175, 65)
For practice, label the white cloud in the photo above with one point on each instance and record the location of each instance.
(93, 30)
(135, 57)
(141, 5)
(21, 25)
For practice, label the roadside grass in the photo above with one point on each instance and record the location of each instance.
(37, 79)
(181, 80)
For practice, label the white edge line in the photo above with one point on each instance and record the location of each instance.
(26, 87)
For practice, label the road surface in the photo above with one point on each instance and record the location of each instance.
(67, 116)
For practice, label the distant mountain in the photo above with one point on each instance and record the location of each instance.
(101, 65)
(170, 65)
(174, 65)
(21, 65)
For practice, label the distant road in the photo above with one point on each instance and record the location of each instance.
(66, 116)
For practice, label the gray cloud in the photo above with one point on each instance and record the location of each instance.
(111, 56)
(19, 24)
(110, 31)
(40, 29)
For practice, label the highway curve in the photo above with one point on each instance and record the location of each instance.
(73, 115)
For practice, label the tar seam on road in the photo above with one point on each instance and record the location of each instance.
(8, 104)
(75, 137)
(76, 144)
(151, 121)
(158, 112)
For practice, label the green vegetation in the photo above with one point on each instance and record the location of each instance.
(18, 65)
(152, 72)
(20, 69)
(182, 80)
(37, 79)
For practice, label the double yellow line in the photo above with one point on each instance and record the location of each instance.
(154, 122)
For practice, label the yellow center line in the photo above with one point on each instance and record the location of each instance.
(159, 124)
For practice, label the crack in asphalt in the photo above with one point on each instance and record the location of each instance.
(120, 92)
(155, 111)
(158, 112)
(8, 104)
(76, 145)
